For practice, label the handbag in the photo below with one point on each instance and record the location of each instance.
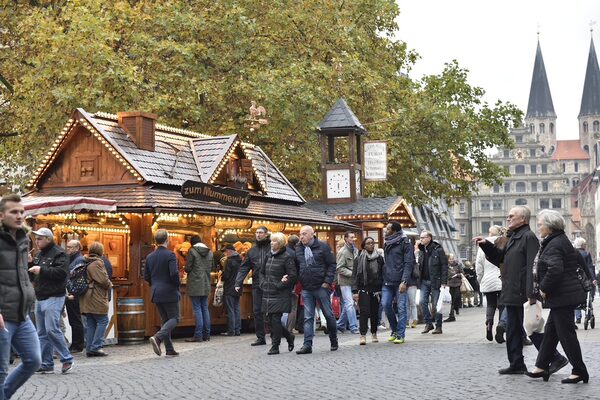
(465, 286)
(584, 278)
(219, 291)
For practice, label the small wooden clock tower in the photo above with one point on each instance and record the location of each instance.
(340, 135)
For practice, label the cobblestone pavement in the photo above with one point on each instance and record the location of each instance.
(460, 364)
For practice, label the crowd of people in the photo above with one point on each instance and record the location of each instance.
(293, 281)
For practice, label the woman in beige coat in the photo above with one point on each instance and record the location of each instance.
(94, 302)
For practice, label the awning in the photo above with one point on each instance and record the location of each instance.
(58, 204)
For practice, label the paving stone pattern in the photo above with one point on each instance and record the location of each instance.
(460, 364)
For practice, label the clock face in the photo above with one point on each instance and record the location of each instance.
(338, 184)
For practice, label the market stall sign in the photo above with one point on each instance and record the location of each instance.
(375, 159)
(222, 195)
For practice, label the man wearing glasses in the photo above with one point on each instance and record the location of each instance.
(433, 265)
(255, 261)
(516, 271)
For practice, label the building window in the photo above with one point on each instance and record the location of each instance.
(576, 167)
(575, 182)
(534, 186)
(563, 167)
(519, 139)
(533, 168)
(498, 223)
(551, 127)
(463, 253)
(556, 203)
(542, 128)
(521, 202)
(544, 168)
(551, 150)
(485, 205)
(496, 188)
(497, 204)
(506, 187)
(519, 169)
(544, 203)
(585, 127)
(485, 228)
(596, 126)
(586, 148)
(461, 208)
(506, 153)
(544, 186)
(520, 187)
(531, 152)
(463, 229)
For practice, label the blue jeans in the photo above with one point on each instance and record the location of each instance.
(426, 291)
(310, 298)
(47, 319)
(234, 319)
(202, 316)
(348, 314)
(397, 321)
(23, 338)
(95, 328)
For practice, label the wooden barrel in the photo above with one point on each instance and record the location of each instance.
(131, 320)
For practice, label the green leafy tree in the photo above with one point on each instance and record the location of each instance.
(199, 64)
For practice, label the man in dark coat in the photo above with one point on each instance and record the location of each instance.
(433, 266)
(16, 298)
(162, 274)
(399, 260)
(316, 272)
(255, 260)
(516, 269)
(232, 292)
(580, 244)
(50, 269)
(72, 302)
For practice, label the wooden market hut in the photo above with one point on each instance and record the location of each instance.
(141, 166)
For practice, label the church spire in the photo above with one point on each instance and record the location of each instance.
(540, 98)
(590, 100)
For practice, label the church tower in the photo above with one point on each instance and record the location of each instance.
(589, 113)
(540, 117)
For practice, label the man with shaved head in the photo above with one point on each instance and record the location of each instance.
(316, 272)
(72, 303)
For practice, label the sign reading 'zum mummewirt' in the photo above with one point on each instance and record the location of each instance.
(222, 195)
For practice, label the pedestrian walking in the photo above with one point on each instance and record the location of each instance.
(162, 275)
(16, 299)
(455, 273)
(73, 250)
(433, 266)
(198, 265)
(233, 292)
(345, 265)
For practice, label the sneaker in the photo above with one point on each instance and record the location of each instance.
(67, 367)
(43, 370)
(392, 337)
(156, 345)
(363, 340)
(374, 338)
(413, 323)
(171, 353)
(399, 341)
(382, 327)
(355, 332)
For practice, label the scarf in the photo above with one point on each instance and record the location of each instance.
(308, 254)
(363, 259)
(394, 238)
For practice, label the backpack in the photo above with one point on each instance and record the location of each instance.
(77, 282)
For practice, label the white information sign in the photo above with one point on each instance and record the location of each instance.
(375, 161)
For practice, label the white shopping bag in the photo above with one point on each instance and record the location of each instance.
(444, 301)
(533, 321)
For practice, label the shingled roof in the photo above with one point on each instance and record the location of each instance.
(540, 99)
(569, 150)
(341, 118)
(590, 100)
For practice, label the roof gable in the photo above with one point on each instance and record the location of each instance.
(341, 118)
(210, 152)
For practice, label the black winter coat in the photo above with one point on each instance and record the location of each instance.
(322, 270)
(437, 264)
(557, 272)
(16, 291)
(255, 260)
(162, 274)
(517, 259)
(399, 262)
(277, 296)
(54, 269)
(231, 271)
(372, 268)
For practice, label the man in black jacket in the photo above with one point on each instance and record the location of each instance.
(255, 261)
(433, 265)
(516, 270)
(232, 292)
(50, 269)
(16, 298)
(316, 272)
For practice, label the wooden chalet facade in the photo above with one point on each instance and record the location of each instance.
(141, 165)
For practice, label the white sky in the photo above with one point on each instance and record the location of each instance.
(496, 42)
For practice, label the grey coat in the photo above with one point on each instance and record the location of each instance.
(16, 292)
(198, 265)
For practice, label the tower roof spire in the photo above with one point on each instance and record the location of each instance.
(540, 99)
(590, 100)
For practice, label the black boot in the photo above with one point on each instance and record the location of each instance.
(273, 350)
(488, 331)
